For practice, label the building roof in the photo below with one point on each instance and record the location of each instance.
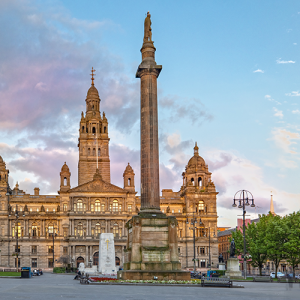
(226, 232)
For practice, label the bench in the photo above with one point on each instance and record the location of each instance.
(289, 279)
(263, 279)
(214, 281)
(85, 279)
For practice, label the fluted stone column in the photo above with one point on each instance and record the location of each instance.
(148, 71)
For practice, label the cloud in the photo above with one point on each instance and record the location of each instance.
(279, 61)
(192, 110)
(277, 113)
(258, 71)
(295, 44)
(296, 111)
(269, 98)
(293, 94)
(284, 139)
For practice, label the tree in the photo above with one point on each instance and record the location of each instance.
(275, 240)
(292, 244)
(256, 242)
(64, 260)
(237, 235)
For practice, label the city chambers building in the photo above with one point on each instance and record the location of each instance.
(35, 229)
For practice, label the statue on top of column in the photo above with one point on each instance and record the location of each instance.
(147, 28)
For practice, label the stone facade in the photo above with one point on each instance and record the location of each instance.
(75, 217)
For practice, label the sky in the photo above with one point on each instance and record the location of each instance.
(230, 81)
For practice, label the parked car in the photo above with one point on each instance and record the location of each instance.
(279, 275)
(36, 272)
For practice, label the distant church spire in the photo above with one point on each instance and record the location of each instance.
(272, 206)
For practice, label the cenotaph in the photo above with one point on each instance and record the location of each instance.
(152, 247)
(107, 259)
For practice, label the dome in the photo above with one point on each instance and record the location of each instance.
(65, 168)
(128, 169)
(196, 161)
(92, 92)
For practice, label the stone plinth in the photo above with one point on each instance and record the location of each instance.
(222, 266)
(233, 269)
(107, 259)
(152, 249)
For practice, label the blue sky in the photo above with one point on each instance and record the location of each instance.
(230, 81)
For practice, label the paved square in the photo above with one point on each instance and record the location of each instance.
(56, 286)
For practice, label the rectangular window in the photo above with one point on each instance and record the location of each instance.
(129, 207)
(163, 210)
(65, 250)
(50, 249)
(50, 262)
(102, 207)
(65, 232)
(178, 250)
(34, 263)
(17, 249)
(65, 207)
(172, 211)
(179, 211)
(33, 249)
(202, 250)
(92, 207)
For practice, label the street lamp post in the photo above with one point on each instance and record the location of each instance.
(243, 197)
(209, 251)
(54, 234)
(193, 222)
(17, 231)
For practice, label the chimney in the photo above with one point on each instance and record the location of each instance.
(36, 191)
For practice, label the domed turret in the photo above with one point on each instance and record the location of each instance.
(65, 175)
(196, 172)
(128, 176)
(3, 174)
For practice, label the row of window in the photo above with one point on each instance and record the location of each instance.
(100, 207)
(86, 129)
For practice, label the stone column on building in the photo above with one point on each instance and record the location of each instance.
(148, 71)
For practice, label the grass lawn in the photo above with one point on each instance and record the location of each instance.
(10, 274)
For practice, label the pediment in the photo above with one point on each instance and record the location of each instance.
(97, 186)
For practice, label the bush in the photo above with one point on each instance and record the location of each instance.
(220, 272)
(59, 270)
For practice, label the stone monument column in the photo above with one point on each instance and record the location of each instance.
(148, 71)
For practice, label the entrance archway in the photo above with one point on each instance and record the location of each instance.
(96, 258)
(117, 261)
(79, 260)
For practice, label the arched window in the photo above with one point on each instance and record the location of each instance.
(129, 182)
(200, 181)
(104, 129)
(34, 230)
(79, 205)
(201, 206)
(89, 151)
(80, 229)
(94, 130)
(82, 129)
(98, 151)
(97, 205)
(193, 181)
(93, 106)
(116, 230)
(87, 130)
(94, 152)
(65, 181)
(115, 206)
(96, 258)
(97, 230)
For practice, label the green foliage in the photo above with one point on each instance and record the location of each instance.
(59, 270)
(10, 274)
(272, 238)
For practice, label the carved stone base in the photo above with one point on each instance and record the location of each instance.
(222, 266)
(233, 269)
(152, 248)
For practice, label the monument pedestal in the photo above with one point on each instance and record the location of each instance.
(107, 259)
(222, 266)
(152, 249)
(233, 269)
